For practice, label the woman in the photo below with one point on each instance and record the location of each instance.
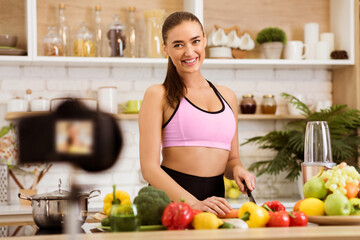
(194, 121)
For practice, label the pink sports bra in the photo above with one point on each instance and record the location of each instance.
(190, 125)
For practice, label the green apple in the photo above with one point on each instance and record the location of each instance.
(315, 188)
(355, 206)
(337, 204)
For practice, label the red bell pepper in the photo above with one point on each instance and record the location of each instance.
(177, 216)
(275, 206)
(278, 219)
(298, 219)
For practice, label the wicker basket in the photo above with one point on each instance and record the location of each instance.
(238, 53)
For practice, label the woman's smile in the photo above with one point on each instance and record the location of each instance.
(190, 61)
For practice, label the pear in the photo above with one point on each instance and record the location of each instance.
(315, 188)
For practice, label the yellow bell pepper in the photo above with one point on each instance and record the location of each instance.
(121, 197)
(253, 215)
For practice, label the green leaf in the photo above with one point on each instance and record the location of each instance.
(288, 144)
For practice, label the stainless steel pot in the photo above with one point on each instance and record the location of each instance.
(50, 209)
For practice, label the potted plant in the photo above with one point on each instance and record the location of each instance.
(272, 40)
(289, 143)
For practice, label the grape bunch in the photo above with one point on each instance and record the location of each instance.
(341, 179)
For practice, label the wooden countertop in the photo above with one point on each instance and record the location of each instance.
(309, 233)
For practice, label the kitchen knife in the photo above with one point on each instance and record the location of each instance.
(252, 199)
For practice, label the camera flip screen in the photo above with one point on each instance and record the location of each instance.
(74, 137)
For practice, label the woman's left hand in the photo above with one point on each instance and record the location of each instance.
(240, 173)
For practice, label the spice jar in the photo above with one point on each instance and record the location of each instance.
(84, 45)
(116, 36)
(248, 104)
(268, 104)
(52, 43)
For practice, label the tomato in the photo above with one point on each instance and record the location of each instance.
(278, 219)
(298, 219)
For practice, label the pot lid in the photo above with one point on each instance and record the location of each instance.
(61, 194)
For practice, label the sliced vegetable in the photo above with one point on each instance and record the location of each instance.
(227, 225)
(152, 228)
(234, 213)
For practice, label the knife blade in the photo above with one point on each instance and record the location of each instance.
(252, 199)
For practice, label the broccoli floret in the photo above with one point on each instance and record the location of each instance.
(150, 203)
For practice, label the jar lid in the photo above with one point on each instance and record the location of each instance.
(268, 96)
(97, 8)
(248, 96)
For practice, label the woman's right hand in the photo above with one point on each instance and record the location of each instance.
(217, 205)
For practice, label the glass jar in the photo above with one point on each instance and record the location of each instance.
(248, 104)
(124, 218)
(84, 45)
(52, 43)
(116, 36)
(154, 20)
(268, 104)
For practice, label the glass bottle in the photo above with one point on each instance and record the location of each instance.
(268, 104)
(52, 43)
(248, 104)
(84, 45)
(116, 36)
(154, 21)
(64, 30)
(98, 32)
(131, 34)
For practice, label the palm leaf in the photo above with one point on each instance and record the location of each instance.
(289, 143)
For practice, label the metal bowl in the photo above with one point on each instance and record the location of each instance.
(7, 40)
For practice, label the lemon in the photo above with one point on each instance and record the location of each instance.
(312, 207)
(233, 193)
(206, 220)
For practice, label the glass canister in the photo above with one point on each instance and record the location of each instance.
(116, 37)
(153, 21)
(268, 104)
(52, 43)
(84, 45)
(248, 104)
(124, 218)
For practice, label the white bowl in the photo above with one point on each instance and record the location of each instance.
(220, 52)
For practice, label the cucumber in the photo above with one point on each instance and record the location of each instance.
(152, 227)
(105, 222)
(227, 225)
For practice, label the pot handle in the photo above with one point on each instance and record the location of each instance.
(24, 196)
(97, 193)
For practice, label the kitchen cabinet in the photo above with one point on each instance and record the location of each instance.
(10, 116)
(333, 15)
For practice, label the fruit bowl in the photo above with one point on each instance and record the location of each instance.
(335, 220)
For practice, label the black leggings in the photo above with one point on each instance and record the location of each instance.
(199, 187)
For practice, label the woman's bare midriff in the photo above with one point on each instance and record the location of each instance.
(198, 161)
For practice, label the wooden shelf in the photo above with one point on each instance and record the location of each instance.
(156, 62)
(17, 115)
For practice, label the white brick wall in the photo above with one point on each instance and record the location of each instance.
(132, 82)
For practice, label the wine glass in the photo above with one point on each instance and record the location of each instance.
(317, 149)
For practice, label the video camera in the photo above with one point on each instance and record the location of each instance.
(89, 139)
